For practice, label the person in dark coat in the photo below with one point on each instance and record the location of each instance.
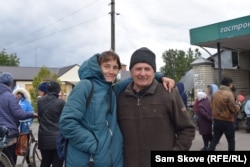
(204, 121)
(149, 117)
(10, 114)
(49, 111)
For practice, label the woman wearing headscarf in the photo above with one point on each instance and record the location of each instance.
(204, 121)
(49, 111)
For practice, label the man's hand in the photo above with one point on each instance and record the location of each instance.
(168, 83)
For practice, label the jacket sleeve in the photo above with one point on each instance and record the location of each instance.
(184, 127)
(158, 76)
(71, 118)
(232, 106)
(121, 86)
(16, 109)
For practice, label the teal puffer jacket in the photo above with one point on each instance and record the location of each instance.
(93, 131)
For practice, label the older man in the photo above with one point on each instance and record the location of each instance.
(149, 117)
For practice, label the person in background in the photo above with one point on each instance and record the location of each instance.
(211, 89)
(49, 110)
(149, 117)
(23, 97)
(204, 121)
(93, 132)
(247, 111)
(42, 90)
(195, 110)
(10, 114)
(240, 100)
(224, 109)
(182, 92)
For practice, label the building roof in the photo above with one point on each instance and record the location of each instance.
(201, 61)
(28, 73)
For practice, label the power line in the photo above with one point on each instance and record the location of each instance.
(50, 24)
(56, 32)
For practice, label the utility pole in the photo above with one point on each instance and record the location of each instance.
(112, 13)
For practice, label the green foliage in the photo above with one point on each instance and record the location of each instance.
(43, 75)
(8, 59)
(177, 62)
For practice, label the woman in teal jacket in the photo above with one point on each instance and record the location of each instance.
(93, 131)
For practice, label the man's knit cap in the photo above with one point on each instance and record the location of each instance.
(143, 55)
(43, 87)
(6, 78)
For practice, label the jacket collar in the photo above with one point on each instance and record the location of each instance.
(223, 87)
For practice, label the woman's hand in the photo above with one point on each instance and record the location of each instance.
(35, 115)
(168, 83)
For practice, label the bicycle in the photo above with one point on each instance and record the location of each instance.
(4, 160)
(33, 154)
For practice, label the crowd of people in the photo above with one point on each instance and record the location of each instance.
(218, 111)
(124, 120)
(11, 113)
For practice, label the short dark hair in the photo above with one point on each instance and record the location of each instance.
(226, 81)
(109, 55)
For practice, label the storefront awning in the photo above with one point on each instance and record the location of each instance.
(232, 35)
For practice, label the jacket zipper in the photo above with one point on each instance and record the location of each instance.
(139, 127)
(111, 134)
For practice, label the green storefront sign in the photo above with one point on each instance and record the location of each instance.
(219, 31)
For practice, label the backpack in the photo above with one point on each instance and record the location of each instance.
(61, 141)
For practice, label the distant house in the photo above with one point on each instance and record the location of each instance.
(23, 76)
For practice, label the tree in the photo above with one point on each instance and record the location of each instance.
(43, 75)
(8, 59)
(177, 62)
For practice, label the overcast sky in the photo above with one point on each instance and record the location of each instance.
(58, 33)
